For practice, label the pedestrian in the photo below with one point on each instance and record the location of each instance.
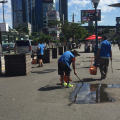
(64, 63)
(104, 52)
(40, 52)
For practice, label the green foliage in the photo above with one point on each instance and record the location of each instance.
(34, 34)
(107, 30)
(43, 38)
(25, 30)
(62, 39)
(56, 41)
(31, 37)
(22, 29)
(34, 42)
(116, 38)
(9, 29)
(92, 29)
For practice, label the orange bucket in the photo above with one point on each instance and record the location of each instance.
(65, 79)
(92, 69)
(34, 61)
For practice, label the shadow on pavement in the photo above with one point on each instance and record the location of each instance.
(117, 69)
(89, 79)
(45, 71)
(48, 88)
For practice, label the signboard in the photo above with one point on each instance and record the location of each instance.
(89, 15)
(47, 1)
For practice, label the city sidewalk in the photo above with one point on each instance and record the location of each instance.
(39, 95)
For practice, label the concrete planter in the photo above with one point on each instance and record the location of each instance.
(47, 57)
(66, 48)
(19, 64)
(61, 50)
(55, 52)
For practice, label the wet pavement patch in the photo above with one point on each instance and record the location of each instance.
(86, 93)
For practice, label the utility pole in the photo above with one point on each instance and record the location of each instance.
(3, 9)
(73, 28)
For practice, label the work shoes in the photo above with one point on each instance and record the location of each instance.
(103, 76)
(69, 85)
(64, 84)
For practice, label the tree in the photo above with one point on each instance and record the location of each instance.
(107, 30)
(25, 30)
(9, 29)
(34, 34)
(92, 29)
(62, 39)
(43, 38)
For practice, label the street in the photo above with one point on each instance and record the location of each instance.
(39, 95)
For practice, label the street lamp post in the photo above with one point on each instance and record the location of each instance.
(95, 3)
(3, 9)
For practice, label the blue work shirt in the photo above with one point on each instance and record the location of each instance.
(40, 52)
(66, 58)
(105, 47)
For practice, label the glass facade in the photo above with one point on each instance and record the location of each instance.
(19, 11)
(38, 13)
(57, 5)
(63, 8)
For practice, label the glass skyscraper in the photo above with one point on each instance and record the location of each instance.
(63, 8)
(57, 5)
(38, 14)
(19, 11)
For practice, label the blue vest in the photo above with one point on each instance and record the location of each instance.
(40, 52)
(105, 49)
(66, 58)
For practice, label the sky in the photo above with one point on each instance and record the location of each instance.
(108, 14)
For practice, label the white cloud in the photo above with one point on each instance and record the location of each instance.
(103, 5)
(102, 16)
(78, 2)
(101, 21)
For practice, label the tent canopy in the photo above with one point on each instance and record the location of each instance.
(92, 37)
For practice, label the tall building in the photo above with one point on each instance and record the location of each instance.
(47, 4)
(32, 17)
(63, 9)
(57, 5)
(20, 13)
(53, 15)
(38, 14)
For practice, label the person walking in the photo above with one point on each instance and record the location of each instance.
(104, 52)
(64, 63)
(40, 52)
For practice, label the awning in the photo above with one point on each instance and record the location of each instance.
(92, 37)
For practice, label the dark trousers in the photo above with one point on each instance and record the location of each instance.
(103, 65)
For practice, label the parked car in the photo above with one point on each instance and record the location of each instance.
(23, 46)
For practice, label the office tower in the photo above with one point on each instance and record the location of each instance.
(32, 17)
(63, 9)
(38, 14)
(19, 12)
(47, 5)
(57, 5)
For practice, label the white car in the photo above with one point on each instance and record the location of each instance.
(23, 46)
